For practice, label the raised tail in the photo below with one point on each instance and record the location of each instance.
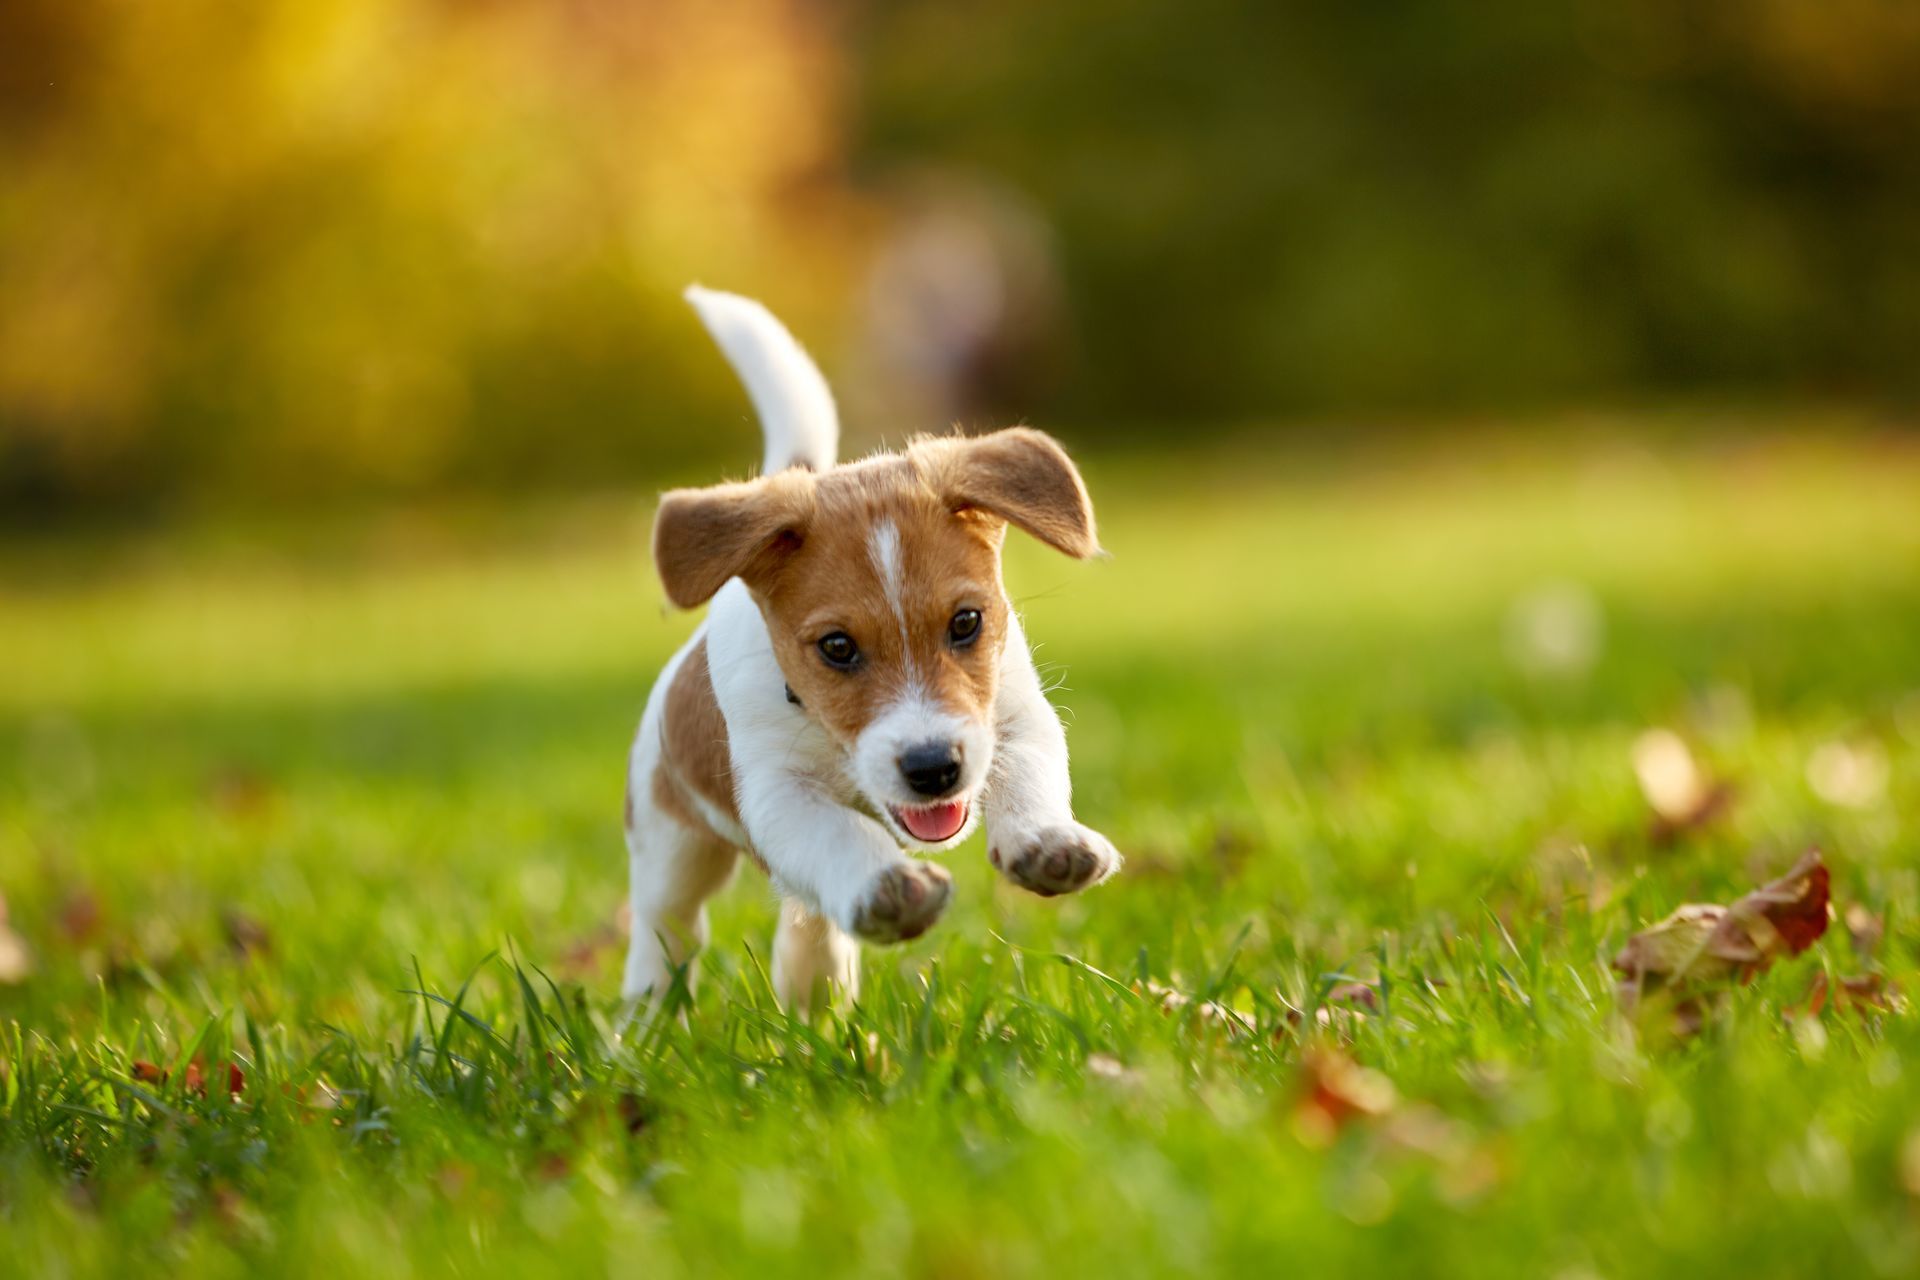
(796, 409)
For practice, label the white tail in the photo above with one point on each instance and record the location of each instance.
(795, 407)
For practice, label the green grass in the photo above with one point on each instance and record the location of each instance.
(392, 761)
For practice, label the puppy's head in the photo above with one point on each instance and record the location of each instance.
(880, 585)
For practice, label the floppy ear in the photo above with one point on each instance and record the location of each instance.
(702, 537)
(1025, 478)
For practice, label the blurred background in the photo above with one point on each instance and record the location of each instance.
(299, 251)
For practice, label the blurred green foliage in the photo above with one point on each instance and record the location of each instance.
(289, 249)
(1416, 203)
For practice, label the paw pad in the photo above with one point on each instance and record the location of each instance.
(903, 902)
(1058, 860)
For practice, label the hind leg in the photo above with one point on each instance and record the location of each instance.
(813, 961)
(674, 869)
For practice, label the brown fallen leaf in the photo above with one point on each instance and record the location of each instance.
(1336, 1091)
(1703, 943)
(1863, 993)
(1683, 798)
(194, 1079)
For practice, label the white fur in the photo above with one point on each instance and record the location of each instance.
(789, 777)
(796, 409)
(799, 795)
(883, 547)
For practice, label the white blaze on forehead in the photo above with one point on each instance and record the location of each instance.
(883, 548)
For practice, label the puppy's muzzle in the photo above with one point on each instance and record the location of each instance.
(931, 769)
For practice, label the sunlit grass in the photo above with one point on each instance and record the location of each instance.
(281, 811)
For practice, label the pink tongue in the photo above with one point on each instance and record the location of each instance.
(935, 822)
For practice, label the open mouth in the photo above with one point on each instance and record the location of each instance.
(932, 823)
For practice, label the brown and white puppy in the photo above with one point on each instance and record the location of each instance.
(860, 683)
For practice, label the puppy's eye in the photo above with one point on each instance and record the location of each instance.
(965, 627)
(839, 650)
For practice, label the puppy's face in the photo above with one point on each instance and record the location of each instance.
(880, 586)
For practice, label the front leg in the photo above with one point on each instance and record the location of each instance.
(839, 863)
(836, 862)
(1031, 833)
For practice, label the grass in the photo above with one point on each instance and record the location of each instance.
(347, 818)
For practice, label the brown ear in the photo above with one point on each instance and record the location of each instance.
(1025, 478)
(702, 537)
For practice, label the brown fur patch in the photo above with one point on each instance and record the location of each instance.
(696, 760)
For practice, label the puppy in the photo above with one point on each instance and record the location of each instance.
(860, 683)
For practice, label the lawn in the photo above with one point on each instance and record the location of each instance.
(338, 810)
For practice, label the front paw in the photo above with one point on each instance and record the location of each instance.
(903, 902)
(1055, 860)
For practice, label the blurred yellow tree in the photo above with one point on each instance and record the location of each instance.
(298, 244)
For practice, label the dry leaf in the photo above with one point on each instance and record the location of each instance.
(1704, 943)
(1683, 798)
(1863, 993)
(196, 1079)
(1335, 1091)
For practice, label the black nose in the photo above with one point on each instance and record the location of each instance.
(931, 768)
